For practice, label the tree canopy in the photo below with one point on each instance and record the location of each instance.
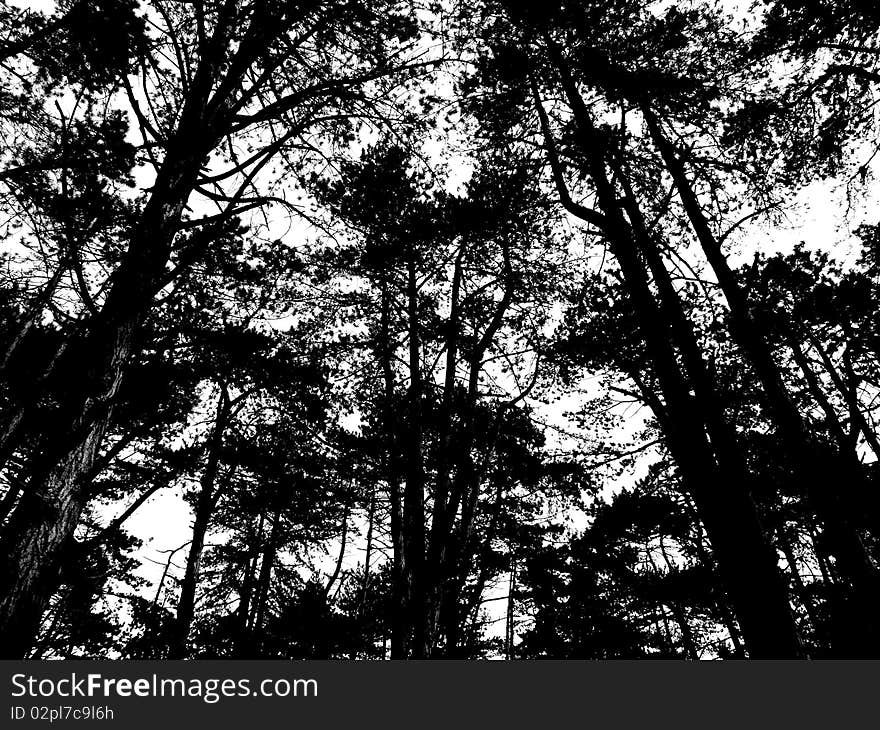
(447, 329)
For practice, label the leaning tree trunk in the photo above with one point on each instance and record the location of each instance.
(47, 514)
(267, 563)
(828, 486)
(205, 504)
(746, 561)
(44, 521)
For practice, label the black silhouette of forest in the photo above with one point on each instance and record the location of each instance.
(416, 329)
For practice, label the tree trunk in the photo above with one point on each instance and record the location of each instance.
(47, 515)
(747, 563)
(246, 592)
(829, 486)
(453, 548)
(815, 387)
(414, 492)
(368, 555)
(440, 518)
(207, 499)
(267, 562)
(848, 390)
(400, 630)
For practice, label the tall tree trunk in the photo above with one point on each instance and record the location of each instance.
(47, 515)
(414, 491)
(400, 630)
(454, 548)
(246, 592)
(368, 555)
(823, 480)
(267, 563)
(434, 570)
(205, 503)
(43, 523)
(746, 561)
(49, 511)
(832, 420)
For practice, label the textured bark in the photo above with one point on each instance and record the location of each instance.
(44, 521)
(14, 489)
(46, 517)
(48, 514)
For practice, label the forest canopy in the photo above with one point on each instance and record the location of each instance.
(456, 329)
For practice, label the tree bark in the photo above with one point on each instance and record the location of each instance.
(47, 515)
